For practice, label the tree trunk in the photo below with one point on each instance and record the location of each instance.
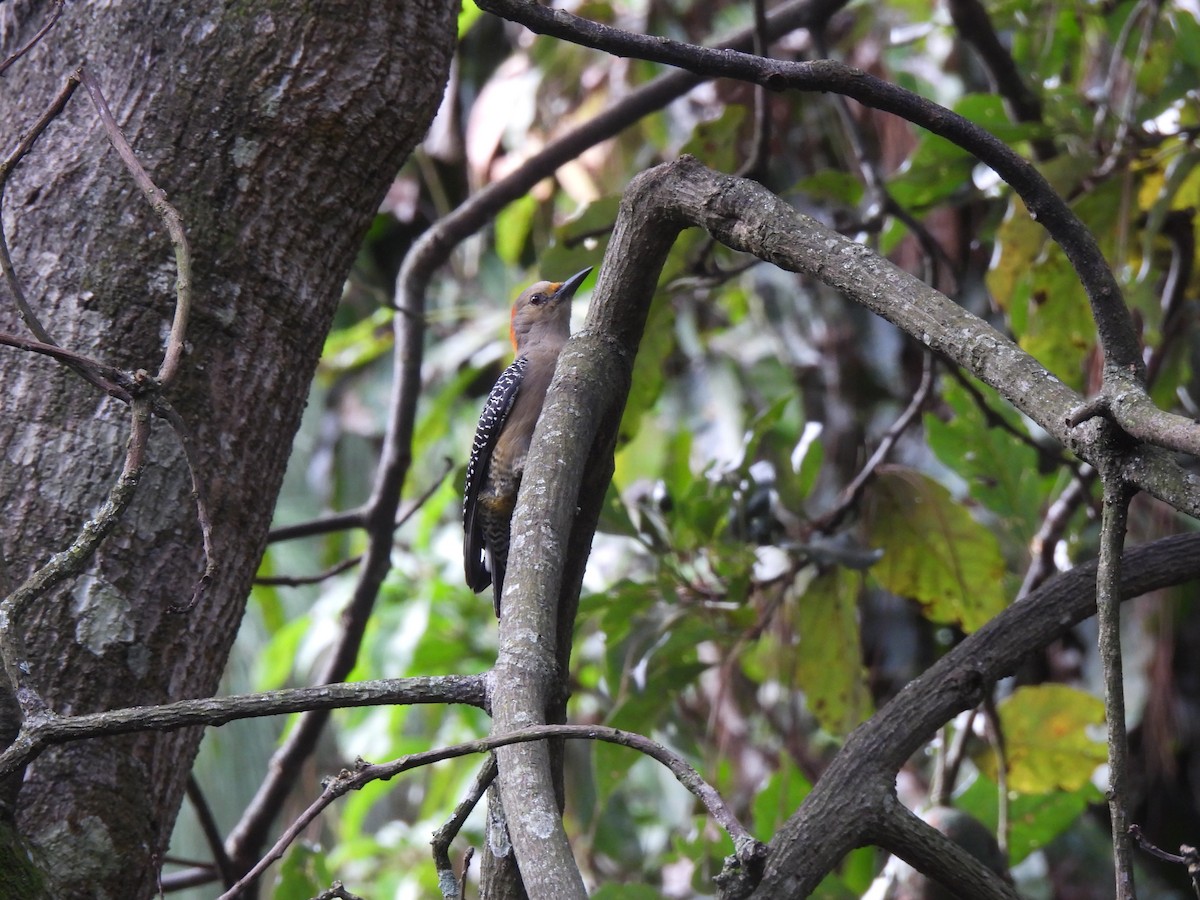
(275, 130)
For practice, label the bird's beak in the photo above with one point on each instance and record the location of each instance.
(566, 290)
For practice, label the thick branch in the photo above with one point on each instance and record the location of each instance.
(590, 386)
(812, 842)
(747, 217)
(589, 390)
(929, 851)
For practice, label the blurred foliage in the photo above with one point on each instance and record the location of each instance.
(723, 614)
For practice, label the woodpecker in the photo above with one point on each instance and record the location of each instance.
(541, 324)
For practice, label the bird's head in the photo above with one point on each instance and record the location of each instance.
(544, 310)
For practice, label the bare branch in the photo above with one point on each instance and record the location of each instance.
(53, 729)
(932, 853)
(212, 834)
(33, 41)
(746, 847)
(850, 495)
(115, 382)
(24, 145)
(746, 217)
(199, 493)
(298, 580)
(170, 218)
(326, 524)
(444, 836)
(1108, 609)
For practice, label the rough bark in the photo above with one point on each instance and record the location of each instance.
(274, 129)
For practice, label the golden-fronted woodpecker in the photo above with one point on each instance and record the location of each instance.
(541, 324)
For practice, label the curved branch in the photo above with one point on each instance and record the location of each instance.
(1113, 322)
(171, 221)
(807, 847)
(364, 773)
(747, 217)
(974, 25)
(930, 852)
(576, 430)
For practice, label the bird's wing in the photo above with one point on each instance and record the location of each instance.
(491, 423)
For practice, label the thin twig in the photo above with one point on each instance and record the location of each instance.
(995, 732)
(445, 835)
(466, 870)
(876, 193)
(326, 524)
(355, 518)
(1054, 525)
(50, 23)
(1188, 856)
(24, 145)
(849, 497)
(199, 494)
(115, 382)
(300, 580)
(1147, 9)
(746, 846)
(1177, 228)
(212, 833)
(950, 760)
(755, 165)
(170, 218)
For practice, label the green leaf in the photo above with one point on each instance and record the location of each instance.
(933, 551)
(716, 141)
(1002, 472)
(302, 874)
(352, 347)
(778, 799)
(832, 185)
(467, 16)
(274, 664)
(1034, 820)
(649, 374)
(513, 225)
(1047, 739)
(828, 661)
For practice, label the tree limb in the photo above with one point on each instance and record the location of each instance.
(50, 729)
(590, 387)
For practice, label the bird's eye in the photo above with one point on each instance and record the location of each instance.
(537, 299)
